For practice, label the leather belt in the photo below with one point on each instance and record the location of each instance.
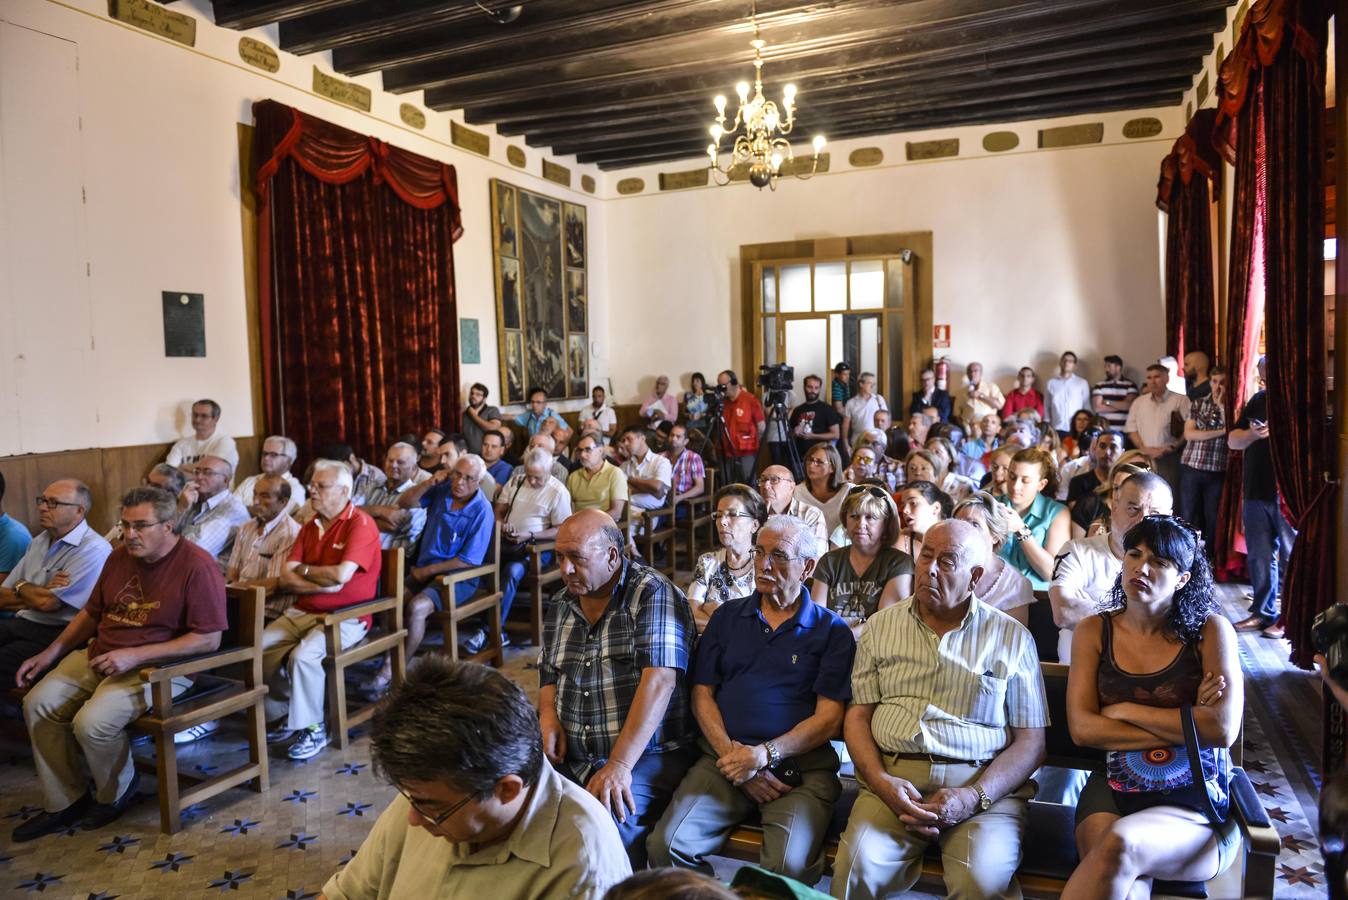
(937, 758)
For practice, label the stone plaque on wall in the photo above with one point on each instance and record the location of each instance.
(557, 174)
(1000, 141)
(865, 156)
(587, 183)
(937, 149)
(631, 186)
(155, 19)
(1071, 135)
(516, 156)
(412, 116)
(259, 55)
(347, 93)
(678, 181)
(184, 324)
(1142, 128)
(468, 139)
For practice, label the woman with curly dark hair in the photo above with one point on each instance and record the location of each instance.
(1137, 671)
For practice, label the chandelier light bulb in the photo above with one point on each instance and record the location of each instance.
(770, 120)
(716, 132)
(819, 143)
(789, 92)
(711, 150)
(719, 102)
(776, 162)
(743, 90)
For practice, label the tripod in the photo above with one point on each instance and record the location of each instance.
(719, 443)
(777, 415)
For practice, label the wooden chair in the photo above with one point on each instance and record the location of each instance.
(386, 635)
(650, 528)
(701, 512)
(213, 695)
(538, 579)
(1042, 628)
(487, 600)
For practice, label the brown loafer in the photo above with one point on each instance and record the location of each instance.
(1273, 631)
(1253, 623)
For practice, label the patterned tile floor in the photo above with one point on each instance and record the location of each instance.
(286, 843)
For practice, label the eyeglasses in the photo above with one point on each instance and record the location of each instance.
(315, 487)
(878, 493)
(772, 480)
(727, 516)
(52, 502)
(435, 820)
(777, 557)
(129, 527)
(200, 471)
(268, 453)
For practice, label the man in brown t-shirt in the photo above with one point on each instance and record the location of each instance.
(158, 598)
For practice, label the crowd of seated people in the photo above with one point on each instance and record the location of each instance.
(884, 601)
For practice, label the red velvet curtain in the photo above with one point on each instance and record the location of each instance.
(356, 267)
(1185, 193)
(1280, 60)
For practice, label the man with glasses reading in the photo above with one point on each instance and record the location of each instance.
(209, 512)
(158, 598)
(778, 487)
(480, 812)
(54, 578)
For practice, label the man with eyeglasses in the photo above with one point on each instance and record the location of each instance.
(206, 440)
(770, 682)
(263, 544)
(54, 578)
(158, 598)
(945, 728)
(479, 813)
(208, 512)
(886, 467)
(598, 483)
(278, 455)
(335, 563)
(612, 699)
(778, 488)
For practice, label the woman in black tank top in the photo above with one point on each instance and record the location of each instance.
(1132, 670)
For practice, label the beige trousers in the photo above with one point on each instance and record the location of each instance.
(879, 857)
(299, 691)
(74, 708)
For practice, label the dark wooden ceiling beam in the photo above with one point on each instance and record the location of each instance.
(1042, 21)
(372, 20)
(926, 83)
(255, 13)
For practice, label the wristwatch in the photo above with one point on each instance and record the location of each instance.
(18, 586)
(984, 801)
(774, 755)
(1025, 534)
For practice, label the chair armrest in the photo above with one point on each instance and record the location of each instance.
(540, 547)
(369, 607)
(193, 665)
(1245, 802)
(449, 579)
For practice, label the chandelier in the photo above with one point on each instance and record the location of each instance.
(762, 147)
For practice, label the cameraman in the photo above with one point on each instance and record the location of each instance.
(744, 426)
(814, 420)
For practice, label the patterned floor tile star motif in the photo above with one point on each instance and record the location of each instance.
(24, 812)
(118, 844)
(351, 769)
(102, 895)
(230, 881)
(40, 882)
(190, 812)
(300, 893)
(299, 841)
(299, 796)
(172, 863)
(1276, 812)
(1297, 844)
(240, 826)
(1255, 765)
(1264, 788)
(354, 809)
(4, 859)
(1300, 875)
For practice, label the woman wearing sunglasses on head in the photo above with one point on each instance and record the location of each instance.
(857, 580)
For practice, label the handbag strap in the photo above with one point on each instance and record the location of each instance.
(1196, 763)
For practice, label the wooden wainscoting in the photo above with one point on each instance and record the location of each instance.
(109, 471)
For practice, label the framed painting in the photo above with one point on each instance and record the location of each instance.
(539, 244)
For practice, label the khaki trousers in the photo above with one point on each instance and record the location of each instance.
(879, 857)
(299, 691)
(74, 708)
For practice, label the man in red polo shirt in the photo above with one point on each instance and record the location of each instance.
(334, 564)
(744, 426)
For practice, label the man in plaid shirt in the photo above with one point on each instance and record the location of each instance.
(1203, 464)
(613, 699)
(688, 473)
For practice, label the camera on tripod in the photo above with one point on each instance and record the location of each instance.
(776, 380)
(1329, 634)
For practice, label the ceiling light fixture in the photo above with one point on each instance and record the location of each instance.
(762, 147)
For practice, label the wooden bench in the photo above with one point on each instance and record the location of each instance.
(1049, 844)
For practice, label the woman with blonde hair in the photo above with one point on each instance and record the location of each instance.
(869, 574)
(1039, 524)
(1001, 586)
(824, 486)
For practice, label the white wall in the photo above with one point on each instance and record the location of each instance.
(1035, 251)
(160, 166)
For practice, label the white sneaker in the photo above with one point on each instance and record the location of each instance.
(311, 740)
(196, 732)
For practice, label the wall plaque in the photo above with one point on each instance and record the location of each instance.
(184, 324)
(587, 183)
(412, 116)
(1071, 135)
(557, 174)
(347, 93)
(468, 139)
(155, 19)
(678, 181)
(1142, 128)
(1203, 86)
(866, 156)
(937, 149)
(516, 156)
(1000, 141)
(470, 341)
(631, 186)
(258, 55)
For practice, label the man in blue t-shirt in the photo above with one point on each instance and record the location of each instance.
(14, 537)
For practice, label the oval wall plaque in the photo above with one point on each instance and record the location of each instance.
(1142, 128)
(866, 156)
(412, 116)
(516, 156)
(587, 183)
(631, 186)
(1000, 141)
(258, 55)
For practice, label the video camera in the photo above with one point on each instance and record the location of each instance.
(1329, 634)
(776, 380)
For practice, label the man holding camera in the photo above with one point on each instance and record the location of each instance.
(772, 758)
(814, 420)
(744, 427)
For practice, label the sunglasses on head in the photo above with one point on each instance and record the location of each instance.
(871, 489)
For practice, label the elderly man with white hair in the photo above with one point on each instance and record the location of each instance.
(945, 728)
(529, 510)
(777, 486)
(548, 443)
(769, 758)
(335, 563)
(208, 513)
(398, 527)
(278, 455)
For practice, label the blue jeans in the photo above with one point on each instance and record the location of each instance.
(511, 574)
(1268, 540)
(1200, 498)
(655, 777)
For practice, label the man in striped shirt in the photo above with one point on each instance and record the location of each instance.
(946, 727)
(263, 544)
(1113, 397)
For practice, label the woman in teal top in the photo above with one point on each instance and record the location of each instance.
(1039, 525)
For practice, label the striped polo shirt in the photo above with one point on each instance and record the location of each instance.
(957, 695)
(1114, 390)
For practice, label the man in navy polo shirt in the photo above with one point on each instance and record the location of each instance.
(771, 678)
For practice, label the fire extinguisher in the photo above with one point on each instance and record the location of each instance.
(942, 369)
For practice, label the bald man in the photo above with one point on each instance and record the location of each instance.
(613, 699)
(778, 487)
